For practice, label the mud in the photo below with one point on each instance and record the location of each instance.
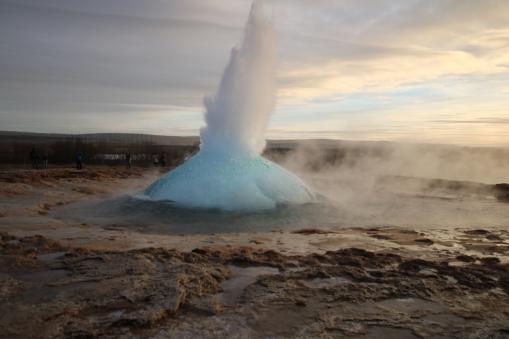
(51, 291)
(52, 176)
(61, 279)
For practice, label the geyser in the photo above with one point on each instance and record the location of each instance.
(228, 172)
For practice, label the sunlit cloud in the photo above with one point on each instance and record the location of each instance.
(419, 70)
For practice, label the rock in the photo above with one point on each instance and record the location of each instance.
(424, 241)
(489, 261)
(380, 237)
(477, 232)
(465, 258)
(208, 306)
(300, 302)
(494, 237)
(310, 231)
(153, 292)
(501, 192)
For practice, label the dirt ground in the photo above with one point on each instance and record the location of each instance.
(60, 279)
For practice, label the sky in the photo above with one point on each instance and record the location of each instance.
(434, 71)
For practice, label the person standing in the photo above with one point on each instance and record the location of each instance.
(33, 158)
(79, 161)
(162, 159)
(44, 160)
(128, 159)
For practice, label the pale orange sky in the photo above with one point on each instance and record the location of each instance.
(408, 70)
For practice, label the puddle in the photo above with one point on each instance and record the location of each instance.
(376, 332)
(296, 269)
(43, 276)
(242, 277)
(50, 256)
(444, 318)
(327, 282)
(411, 305)
(109, 317)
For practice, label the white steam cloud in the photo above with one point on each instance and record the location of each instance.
(228, 173)
(237, 116)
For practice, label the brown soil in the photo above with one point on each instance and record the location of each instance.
(60, 279)
(51, 176)
(51, 291)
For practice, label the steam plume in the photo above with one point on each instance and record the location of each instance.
(237, 116)
(228, 172)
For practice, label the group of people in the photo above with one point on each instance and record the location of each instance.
(159, 160)
(39, 161)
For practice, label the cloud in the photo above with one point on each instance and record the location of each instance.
(490, 121)
(367, 69)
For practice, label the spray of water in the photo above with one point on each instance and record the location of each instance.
(237, 116)
(228, 173)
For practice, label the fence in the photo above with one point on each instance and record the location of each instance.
(108, 149)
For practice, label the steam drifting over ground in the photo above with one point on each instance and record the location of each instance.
(393, 240)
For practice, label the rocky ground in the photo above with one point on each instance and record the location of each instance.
(78, 280)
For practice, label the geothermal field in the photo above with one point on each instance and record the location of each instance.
(235, 235)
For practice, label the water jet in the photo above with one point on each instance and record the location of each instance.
(229, 172)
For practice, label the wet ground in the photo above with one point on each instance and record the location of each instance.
(65, 277)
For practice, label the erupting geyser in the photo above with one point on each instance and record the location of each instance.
(228, 172)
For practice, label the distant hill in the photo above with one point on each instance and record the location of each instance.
(163, 140)
(127, 138)
(166, 140)
(103, 148)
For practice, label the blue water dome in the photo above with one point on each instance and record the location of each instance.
(230, 183)
(229, 173)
